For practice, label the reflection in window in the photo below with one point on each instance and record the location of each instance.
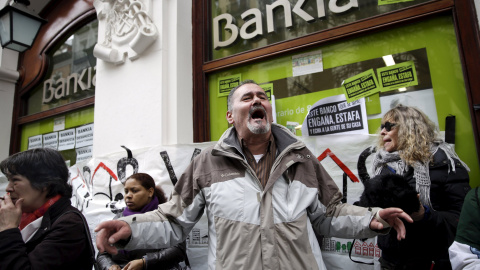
(311, 17)
(71, 73)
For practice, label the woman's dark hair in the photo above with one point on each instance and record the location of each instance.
(43, 167)
(147, 182)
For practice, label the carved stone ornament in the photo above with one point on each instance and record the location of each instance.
(128, 29)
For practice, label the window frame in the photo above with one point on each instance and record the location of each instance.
(465, 23)
(63, 19)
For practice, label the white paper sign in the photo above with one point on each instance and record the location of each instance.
(66, 139)
(84, 136)
(307, 63)
(50, 140)
(59, 123)
(84, 153)
(35, 142)
(333, 115)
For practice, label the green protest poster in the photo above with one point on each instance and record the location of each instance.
(361, 85)
(397, 76)
(268, 88)
(387, 2)
(225, 84)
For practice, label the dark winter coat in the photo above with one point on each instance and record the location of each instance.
(59, 243)
(428, 240)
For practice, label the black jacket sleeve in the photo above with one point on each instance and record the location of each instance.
(166, 258)
(104, 261)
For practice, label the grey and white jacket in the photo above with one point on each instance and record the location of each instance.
(251, 227)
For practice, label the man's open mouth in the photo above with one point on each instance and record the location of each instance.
(257, 112)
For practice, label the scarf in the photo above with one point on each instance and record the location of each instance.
(28, 218)
(152, 205)
(420, 169)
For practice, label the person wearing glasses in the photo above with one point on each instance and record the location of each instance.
(409, 146)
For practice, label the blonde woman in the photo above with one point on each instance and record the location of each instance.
(409, 146)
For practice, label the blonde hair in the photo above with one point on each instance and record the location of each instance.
(416, 133)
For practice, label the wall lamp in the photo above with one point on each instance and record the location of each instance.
(19, 26)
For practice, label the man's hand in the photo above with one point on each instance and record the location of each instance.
(10, 214)
(109, 232)
(392, 217)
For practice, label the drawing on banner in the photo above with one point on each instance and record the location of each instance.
(334, 115)
(35, 142)
(169, 167)
(80, 196)
(345, 169)
(368, 248)
(197, 237)
(112, 177)
(123, 163)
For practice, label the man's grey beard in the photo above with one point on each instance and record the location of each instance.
(258, 129)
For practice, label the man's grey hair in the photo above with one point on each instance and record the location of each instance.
(229, 100)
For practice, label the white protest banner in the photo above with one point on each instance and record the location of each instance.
(98, 185)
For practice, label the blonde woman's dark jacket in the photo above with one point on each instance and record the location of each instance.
(428, 240)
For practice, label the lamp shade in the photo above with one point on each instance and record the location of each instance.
(18, 27)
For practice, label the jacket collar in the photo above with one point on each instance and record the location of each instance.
(283, 139)
(52, 214)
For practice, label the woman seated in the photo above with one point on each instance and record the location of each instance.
(409, 146)
(141, 195)
(39, 229)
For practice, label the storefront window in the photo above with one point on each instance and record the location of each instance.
(71, 75)
(66, 137)
(429, 47)
(238, 26)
